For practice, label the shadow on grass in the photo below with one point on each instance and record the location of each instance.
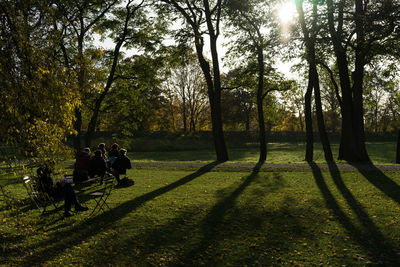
(215, 217)
(198, 238)
(368, 236)
(376, 177)
(60, 241)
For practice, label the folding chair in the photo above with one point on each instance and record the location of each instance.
(102, 195)
(40, 199)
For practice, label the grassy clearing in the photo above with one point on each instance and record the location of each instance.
(211, 217)
(380, 153)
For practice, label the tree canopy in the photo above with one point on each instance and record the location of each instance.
(164, 69)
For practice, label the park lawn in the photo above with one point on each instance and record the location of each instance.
(277, 153)
(219, 217)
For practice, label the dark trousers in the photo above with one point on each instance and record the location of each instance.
(117, 173)
(67, 193)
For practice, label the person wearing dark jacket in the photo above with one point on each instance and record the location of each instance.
(113, 154)
(98, 165)
(102, 148)
(82, 168)
(60, 190)
(121, 164)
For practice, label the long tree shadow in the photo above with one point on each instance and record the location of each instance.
(215, 217)
(369, 237)
(62, 240)
(376, 177)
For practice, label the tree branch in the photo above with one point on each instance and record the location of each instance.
(332, 77)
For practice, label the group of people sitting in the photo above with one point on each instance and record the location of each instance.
(101, 163)
(116, 162)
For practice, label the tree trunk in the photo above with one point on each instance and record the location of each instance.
(247, 122)
(260, 110)
(358, 77)
(212, 76)
(92, 124)
(81, 86)
(352, 143)
(320, 118)
(184, 119)
(110, 79)
(398, 148)
(214, 97)
(308, 121)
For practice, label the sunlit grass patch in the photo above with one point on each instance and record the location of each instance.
(280, 153)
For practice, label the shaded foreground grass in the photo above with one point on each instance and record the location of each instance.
(380, 153)
(210, 217)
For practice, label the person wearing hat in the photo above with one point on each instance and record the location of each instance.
(121, 164)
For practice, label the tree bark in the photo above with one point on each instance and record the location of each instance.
(81, 86)
(352, 144)
(216, 115)
(260, 110)
(184, 119)
(320, 118)
(398, 148)
(308, 121)
(212, 76)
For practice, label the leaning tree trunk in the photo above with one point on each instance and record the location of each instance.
(320, 118)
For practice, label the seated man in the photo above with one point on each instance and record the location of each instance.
(81, 171)
(98, 166)
(60, 190)
(121, 164)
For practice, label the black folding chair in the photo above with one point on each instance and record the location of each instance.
(100, 196)
(40, 199)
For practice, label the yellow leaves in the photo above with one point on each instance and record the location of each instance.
(390, 223)
(43, 71)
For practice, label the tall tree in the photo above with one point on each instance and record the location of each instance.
(126, 24)
(358, 31)
(81, 18)
(310, 36)
(204, 18)
(37, 93)
(246, 16)
(188, 90)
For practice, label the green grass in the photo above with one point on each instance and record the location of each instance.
(380, 153)
(215, 217)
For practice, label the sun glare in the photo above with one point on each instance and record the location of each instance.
(286, 12)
